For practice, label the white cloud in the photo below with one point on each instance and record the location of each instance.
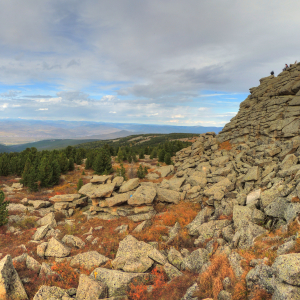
(177, 116)
(42, 109)
(112, 112)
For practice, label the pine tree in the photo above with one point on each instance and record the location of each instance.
(63, 163)
(167, 159)
(71, 164)
(102, 162)
(45, 172)
(79, 184)
(153, 153)
(140, 172)
(3, 209)
(120, 155)
(141, 154)
(78, 159)
(32, 179)
(25, 174)
(161, 155)
(55, 172)
(122, 172)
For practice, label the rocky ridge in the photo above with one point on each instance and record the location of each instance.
(247, 180)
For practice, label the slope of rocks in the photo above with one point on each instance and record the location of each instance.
(247, 181)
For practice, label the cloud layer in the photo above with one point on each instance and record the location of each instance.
(185, 63)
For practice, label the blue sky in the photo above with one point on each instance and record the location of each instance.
(153, 62)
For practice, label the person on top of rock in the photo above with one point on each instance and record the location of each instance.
(285, 68)
(272, 73)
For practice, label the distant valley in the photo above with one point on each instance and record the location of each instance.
(18, 134)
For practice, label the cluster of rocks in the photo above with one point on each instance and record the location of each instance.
(244, 190)
(271, 111)
(114, 197)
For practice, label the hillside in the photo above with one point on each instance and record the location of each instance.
(222, 222)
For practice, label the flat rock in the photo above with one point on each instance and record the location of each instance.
(16, 207)
(11, 286)
(171, 271)
(164, 195)
(65, 198)
(252, 174)
(41, 232)
(129, 185)
(196, 260)
(117, 199)
(143, 195)
(88, 260)
(97, 190)
(37, 204)
(100, 179)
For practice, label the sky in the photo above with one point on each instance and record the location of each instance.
(166, 62)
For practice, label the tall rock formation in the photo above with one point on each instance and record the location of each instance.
(271, 111)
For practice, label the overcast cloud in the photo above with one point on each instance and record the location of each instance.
(168, 62)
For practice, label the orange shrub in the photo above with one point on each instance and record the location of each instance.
(210, 282)
(225, 146)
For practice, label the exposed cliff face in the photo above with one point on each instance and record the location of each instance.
(271, 111)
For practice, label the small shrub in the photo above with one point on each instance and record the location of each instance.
(27, 223)
(3, 209)
(59, 216)
(140, 172)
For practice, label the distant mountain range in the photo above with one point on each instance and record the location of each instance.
(19, 131)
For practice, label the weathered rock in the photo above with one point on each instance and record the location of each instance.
(16, 207)
(235, 263)
(46, 271)
(117, 199)
(143, 195)
(101, 179)
(252, 174)
(90, 289)
(166, 170)
(287, 268)
(285, 291)
(286, 247)
(49, 219)
(37, 204)
(11, 286)
(164, 195)
(57, 249)
(41, 249)
(175, 258)
(253, 197)
(129, 185)
(117, 281)
(97, 190)
(142, 226)
(73, 241)
(171, 271)
(41, 232)
(88, 260)
(32, 264)
(49, 292)
(288, 161)
(261, 276)
(197, 181)
(196, 260)
(65, 198)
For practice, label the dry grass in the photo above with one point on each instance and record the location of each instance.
(225, 146)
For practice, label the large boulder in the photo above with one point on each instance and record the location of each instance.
(117, 199)
(143, 195)
(88, 260)
(97, 190)
(164, 195)
(11, 286)
(101, 179)
(166, 170)
(196, 260)
(117, 282)
(56, 249)
(49, 219)
(129, 185)
(90, 288)
(73, 241)
(50, 292)
(287, 268)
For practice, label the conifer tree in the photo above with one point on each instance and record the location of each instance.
(55, 172)
(122, 172)
(141, 154)
(26, 172)
(120, 155)
(167, 159)
(63, 163)
(161, 155)
(140, 172)
(3, 209)
(102, 162)
(45, 172)
(33, 179)
(71, 164)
